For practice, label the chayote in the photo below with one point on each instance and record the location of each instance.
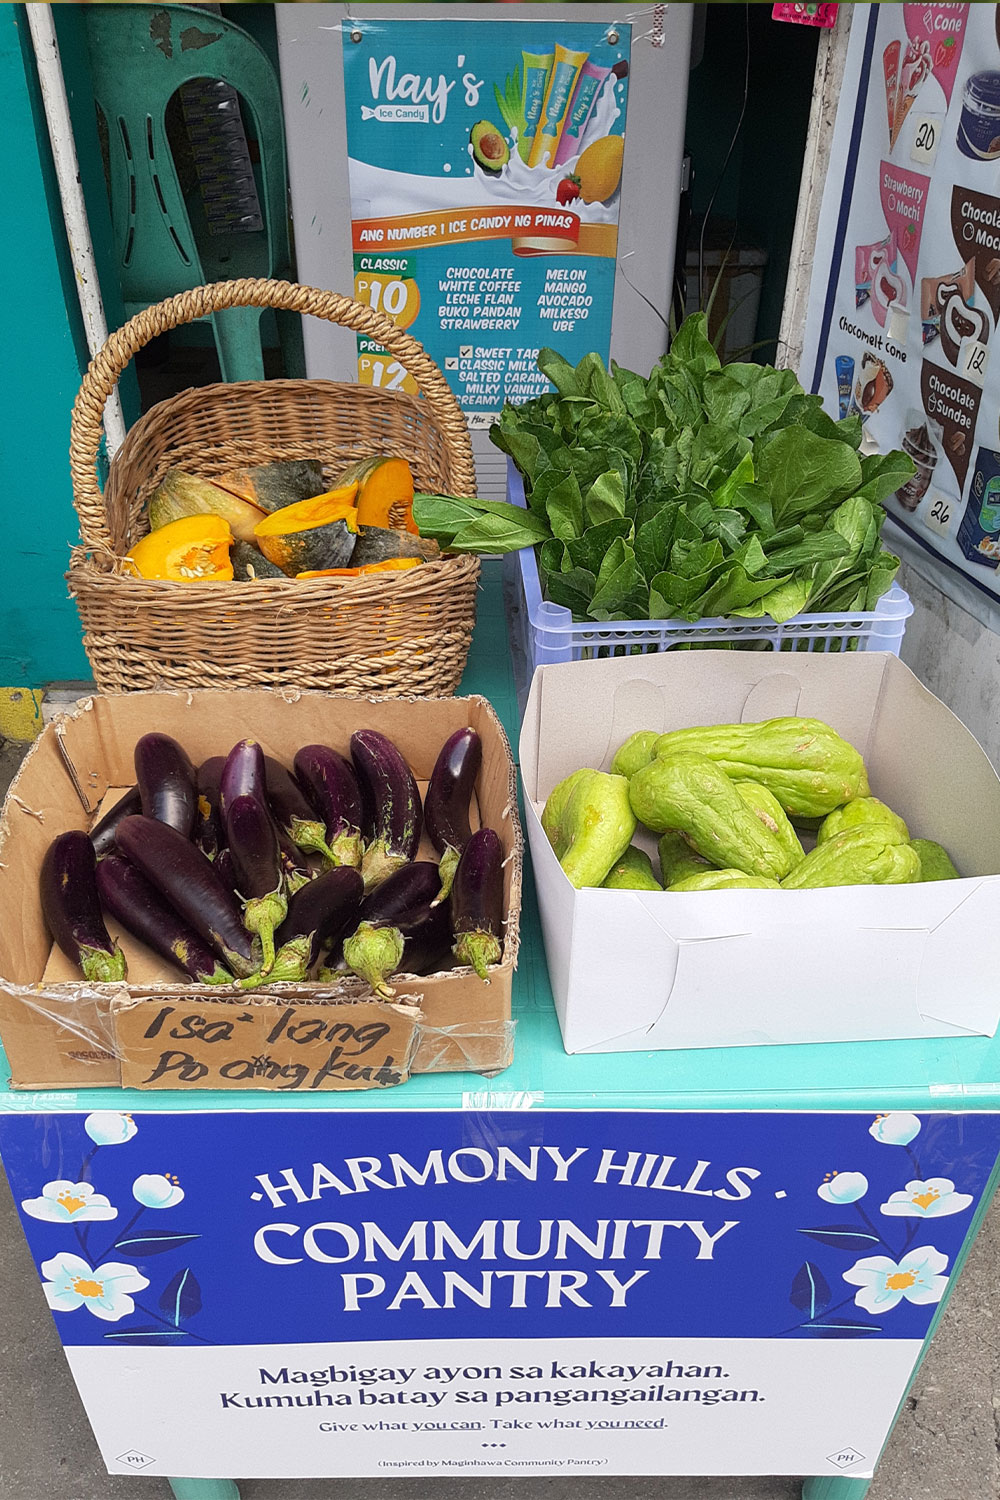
(861, 856)
(634, 753)
(589, 824)
(863, 812)
(771, 813)
(725, 880)
(632, 872)
(935, 862)
(804, 762)
(677, 859)
(691, 794)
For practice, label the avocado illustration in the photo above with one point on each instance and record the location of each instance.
(489, 149)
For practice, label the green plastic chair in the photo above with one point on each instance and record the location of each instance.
(140, 55)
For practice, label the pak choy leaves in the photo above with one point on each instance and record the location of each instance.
(705, 490)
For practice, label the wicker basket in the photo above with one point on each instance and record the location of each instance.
(397, 634)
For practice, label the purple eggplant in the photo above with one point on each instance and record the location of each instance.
(477, 902)
(102, 835)
(167, 782)
(294, 814)
(446, 805)
(253, 842)
(224, 868)
(72, 908)
(323, 911)
(427, 940)
(191, 884)
(243, 775)
(127, 896)
(375, 949)
(330, 785)
(208, 829)
(398, 815)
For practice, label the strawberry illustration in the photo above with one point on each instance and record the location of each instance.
(944, 53)
(568, 189)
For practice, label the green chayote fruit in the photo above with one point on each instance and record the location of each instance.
(863, 812)
(804, 762)
(691, 794)
(677, 859)
(589, 823)
(935, 862)
(771, 813)
(633, 872)
(725, 880)
(861, 856)
(634, 753)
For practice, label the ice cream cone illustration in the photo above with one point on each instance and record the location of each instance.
(915, 67)
(890, 67)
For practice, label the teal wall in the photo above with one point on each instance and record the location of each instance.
(42, 352)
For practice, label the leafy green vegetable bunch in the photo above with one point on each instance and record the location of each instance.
(706, 490)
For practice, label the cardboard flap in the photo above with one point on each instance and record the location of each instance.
(774, 697)
(263, 1043)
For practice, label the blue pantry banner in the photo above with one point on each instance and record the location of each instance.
(904, 306)
(299, 1293)
(485, 165)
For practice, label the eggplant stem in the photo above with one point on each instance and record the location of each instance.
(346, 850)
(447, 867)
(101, 967)
(373, 953)
(311, 837)
(261, 915)
(479, 950)
(289, 966)
(379, 863)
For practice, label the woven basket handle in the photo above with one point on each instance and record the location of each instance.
(107, 365)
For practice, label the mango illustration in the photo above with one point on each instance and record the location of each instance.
(600, 169)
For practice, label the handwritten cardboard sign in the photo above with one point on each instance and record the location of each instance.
(263, 1044)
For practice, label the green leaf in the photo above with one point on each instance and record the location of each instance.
(801, 472)
(752, 499)
(729, 526)
(692, 346)
(560, 372)
(882, 474)
(782, 603)
(613, 559)
(496, 533)
(564, 508)
(605, 500)
(573, 590)
(881, 578)
(654, 539)
(733, 591)
(588, 551)
(553, 556)
(696, 560)
(821, 546)
(439, 516)
(741, 476)
(623, 594)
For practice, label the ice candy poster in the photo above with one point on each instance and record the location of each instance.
(485, 164)
(904, 305)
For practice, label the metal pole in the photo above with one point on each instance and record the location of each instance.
(81, 248)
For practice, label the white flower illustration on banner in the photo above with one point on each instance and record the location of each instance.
(103, 1290)
(843, 1187)
(108, 1129)
(884, 1282)
(154, 1190)
(69, 1202)
(895, 1130)
(932, 1199)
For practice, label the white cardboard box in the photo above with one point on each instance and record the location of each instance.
(648, 970)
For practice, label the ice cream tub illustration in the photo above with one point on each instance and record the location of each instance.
(918, 444)
(979, 533)
(566, 70)
(979, 122)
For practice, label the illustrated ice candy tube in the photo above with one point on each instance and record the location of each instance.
(563, 79)
(592, 80)
(537, 67)
(844, 365)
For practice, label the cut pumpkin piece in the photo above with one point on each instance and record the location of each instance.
(273, 486)
(315, 533)
(249, 563)
(194, 549)
(379, 543)
(179, 494)
(391, 565)
(385, 492)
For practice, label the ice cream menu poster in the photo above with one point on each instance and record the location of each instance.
(904, 308)
(485, 164)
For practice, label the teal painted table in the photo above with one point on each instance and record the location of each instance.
(954, 1075)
